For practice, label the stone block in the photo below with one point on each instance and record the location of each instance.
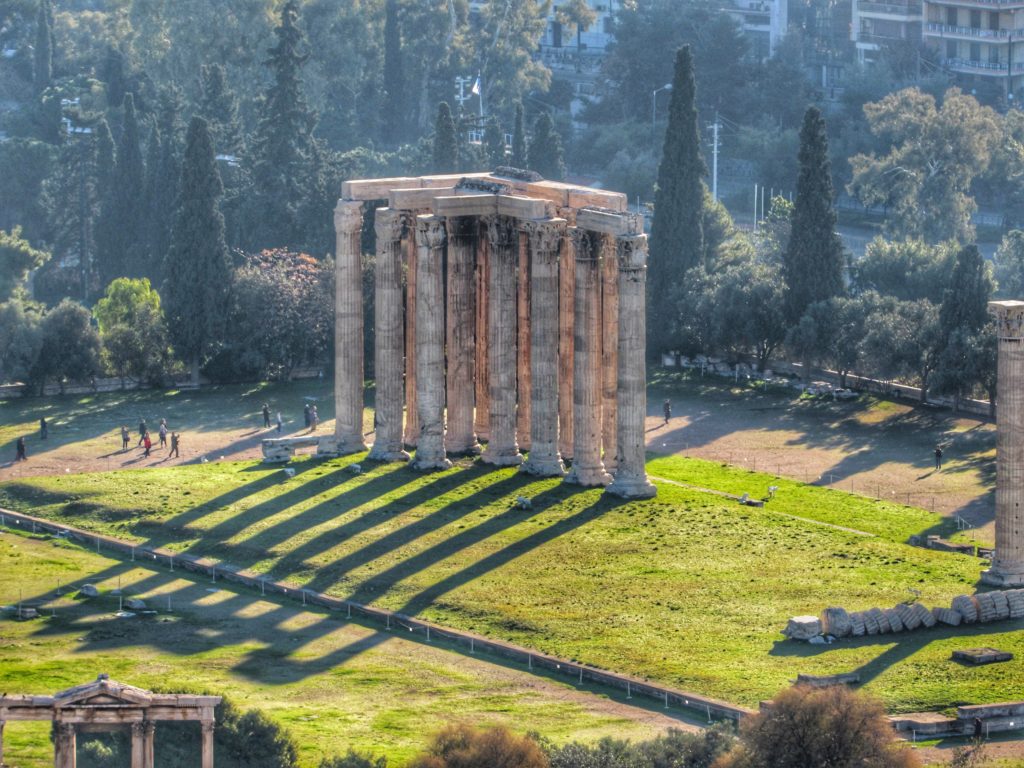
(926, 617)
(1002, 605)
(908, 616)
(857, 628)
(134, 604)
(609, 222)
(836, 621)
(947, 616)
(967, 607)
(524, 207)
(465, 205)
(89, 590)
(802, 628)
(376, 189)
(416, 198)
(986, 607)
(893, 617)
(978, 656)
(1015, 602)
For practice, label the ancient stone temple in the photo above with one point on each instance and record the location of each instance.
(104, 705)
(508, 310)
(1008, 562)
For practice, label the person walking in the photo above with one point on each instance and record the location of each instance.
(44, 429)
(306, 415)
(19, 447)
(125, 437)
(163, 433)
(142, 432)
(938, 457)
(314, 419)
(280, 422)
(266, 416)
(174, 445)
(147, 441)
(667, 408)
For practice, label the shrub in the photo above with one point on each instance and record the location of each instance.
(462, 746)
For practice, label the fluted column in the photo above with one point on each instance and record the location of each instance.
(609, 348)
(389, 339)
(523, 379)
(430, 242)
(412, 416)
(149, 741)
(587, 467)
(503, 236)
(348, 328)
(461, 382)
(545, 239)
(631, 407)
(138, 747)
(207, 754)
(1008, 562)
(482, 412)
(566, 310)
(64, 750)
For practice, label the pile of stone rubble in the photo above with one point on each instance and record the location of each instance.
(965, 609)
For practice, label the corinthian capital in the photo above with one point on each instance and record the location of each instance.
(545, 236)
(348, 216)
(387, 224)
(632, 252)
(502, 231)
(430, 231)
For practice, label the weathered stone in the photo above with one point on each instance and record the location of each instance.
(802, 628)
(967, 607)
(947, 616)
(893, 617)
(135, 604)
(461, 327)
(348, 328)
(89, 590)
(857, 628)
(986, 607)
(836, 621)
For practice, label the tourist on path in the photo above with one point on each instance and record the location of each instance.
(43, 428)
(314, 419)
(266, 416)
(163, 433)
(306, 414)
(667, 407)
(147, 441)
(280, 422)
(142, 432)
(125, 437)
(938, 457)
(20, 448)
(174, 445)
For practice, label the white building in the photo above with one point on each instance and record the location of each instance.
(878, 24)
(764, 22)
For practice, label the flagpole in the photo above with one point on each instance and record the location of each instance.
(480, 93)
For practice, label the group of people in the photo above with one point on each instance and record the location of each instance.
(312, 418)
(146, 440)
(266, 418)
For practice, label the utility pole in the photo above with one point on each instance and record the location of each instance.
(714, 160)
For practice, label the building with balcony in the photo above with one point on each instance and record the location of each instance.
(876, 25)
(764, 22)
(981, 42)
(576, 55)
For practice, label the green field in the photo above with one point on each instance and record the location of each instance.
(689, 589)
(333, 684)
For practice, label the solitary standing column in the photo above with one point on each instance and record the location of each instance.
(412, 416)
(587, 467)
(389, 346)
(566, 300)
(482, 412)
(430, 241)
(348, 331)
(631, 407)
(148, 740)
(609, 348)
(1008, 562)
(544, 459)
(462, 239)
(502, 450)
(207, 743)
(138, 747)
(64, 754)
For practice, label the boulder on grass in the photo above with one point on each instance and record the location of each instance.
(89, 590)
(802, 628)
(836, 621)
(134, 604)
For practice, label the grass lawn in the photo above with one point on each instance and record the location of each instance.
(689, 589)
(334, 684)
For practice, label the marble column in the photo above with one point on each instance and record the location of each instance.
(523, 378)
(138, 748)
(587, 467)
(208, 727)
(566, 300)
(631, 407)
(412, 416)
(1008, 562)
(461, 381)
(430, 241)
(348, 328)
(545, 239)
(64, 752)
(149, 740)
(389, 339)
(482, 412)
(503, 235)
(609, 348)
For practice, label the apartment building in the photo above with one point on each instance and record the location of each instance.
(764, 22)
(877, 24)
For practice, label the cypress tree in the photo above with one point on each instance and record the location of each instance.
(394, 116)
(219, 107)
(494, 144)
(446, 145)
(965, 300)
(120, 238)
(812, 264)
(519, 159)
(677, 231)
(42, 71)
(283, 155)
(163, 174)
(104, 157)
(112, 73)
(198, 269)
(546, 149)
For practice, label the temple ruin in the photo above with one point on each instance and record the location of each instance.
(507, 309)
(105, 705)
(1008, 562)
